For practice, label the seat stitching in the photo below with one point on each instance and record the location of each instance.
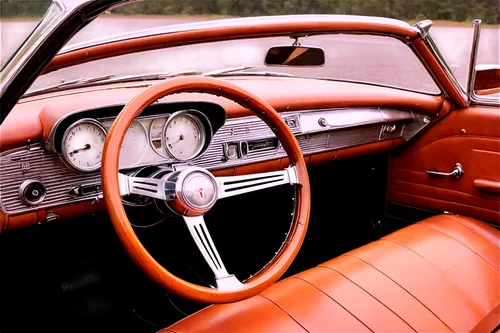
(402, 245)
(471, 228)
(443, 273)
(425, 306)
(430, 226)
(333, 269)
(288, 314)
(333, 299)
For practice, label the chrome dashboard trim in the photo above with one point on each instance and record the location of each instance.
(50, 169)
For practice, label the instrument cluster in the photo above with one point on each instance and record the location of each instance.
(180, 136)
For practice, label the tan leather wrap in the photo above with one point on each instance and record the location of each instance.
(269, 274)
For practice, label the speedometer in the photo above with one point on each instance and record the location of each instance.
(184, 135)
(82, 145)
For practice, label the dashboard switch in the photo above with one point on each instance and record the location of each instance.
(243, 149)
(87, 189)
(32, 192)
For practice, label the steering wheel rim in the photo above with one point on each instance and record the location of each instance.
(111, 188)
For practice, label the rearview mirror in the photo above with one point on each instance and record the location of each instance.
(298, 56)
(487, 80)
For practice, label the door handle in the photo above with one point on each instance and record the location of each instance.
(457, 172)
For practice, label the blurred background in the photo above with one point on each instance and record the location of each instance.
(413, 10)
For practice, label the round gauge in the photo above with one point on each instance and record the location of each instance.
(133, 146)
(184, 136)
(82, 145)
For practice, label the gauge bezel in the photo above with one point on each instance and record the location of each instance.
(64, 151)
(195, 116)
(160, 151)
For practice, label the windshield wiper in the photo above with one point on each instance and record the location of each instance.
(109, 78)
(241, 71)
(275, 74)
(227, 70)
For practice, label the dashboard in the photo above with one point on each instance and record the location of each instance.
(65, 168)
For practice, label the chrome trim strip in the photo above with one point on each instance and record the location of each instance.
(20, 164)
(473, 58)
(423, 28)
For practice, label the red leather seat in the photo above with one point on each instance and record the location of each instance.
(439, 275)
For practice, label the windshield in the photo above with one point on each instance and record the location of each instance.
(349, 57)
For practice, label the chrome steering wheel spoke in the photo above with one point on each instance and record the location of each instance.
(236, 185)
(150, 187)
(198, 229)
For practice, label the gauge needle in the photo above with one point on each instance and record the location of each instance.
(76, 151)
(180, 138)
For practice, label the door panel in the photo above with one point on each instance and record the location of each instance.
(470, 137)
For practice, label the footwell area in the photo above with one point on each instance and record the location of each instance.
(74, 276)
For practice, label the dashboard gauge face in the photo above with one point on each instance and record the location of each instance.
(134, 144)
(82, 145)
(156, 134)
(184, 136)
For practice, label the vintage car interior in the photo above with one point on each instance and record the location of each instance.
(254, 199)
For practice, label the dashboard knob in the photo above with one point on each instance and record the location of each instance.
(32, 192)
(322, 122)
(390, 128)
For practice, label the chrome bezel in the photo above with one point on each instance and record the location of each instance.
(22, 192)
(203, 132)
(64, 151)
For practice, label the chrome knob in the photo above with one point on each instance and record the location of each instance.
(390, 128)
(322, 122)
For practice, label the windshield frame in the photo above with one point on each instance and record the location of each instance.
(18, 58)
(78, 13)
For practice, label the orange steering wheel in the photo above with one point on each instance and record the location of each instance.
(181, 192)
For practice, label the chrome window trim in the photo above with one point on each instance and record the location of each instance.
(423, 28)
(473, 98)
(473, 58)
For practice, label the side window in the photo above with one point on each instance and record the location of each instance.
(487, 81)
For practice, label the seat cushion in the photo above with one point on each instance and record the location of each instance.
(438, 275)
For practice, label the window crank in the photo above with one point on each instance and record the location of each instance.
(457, 172)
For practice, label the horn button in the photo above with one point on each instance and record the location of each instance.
(196, 191)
